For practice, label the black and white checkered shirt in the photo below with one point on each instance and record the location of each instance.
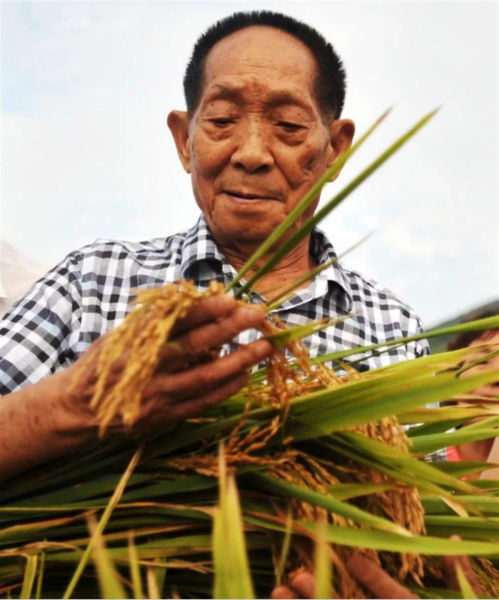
(88, 294)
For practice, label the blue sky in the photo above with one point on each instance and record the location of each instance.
(86, 87)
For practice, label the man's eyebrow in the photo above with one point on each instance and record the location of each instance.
(223, 92)
(281, 97)
(274, 99)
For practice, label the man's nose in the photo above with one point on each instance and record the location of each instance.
(253, 151)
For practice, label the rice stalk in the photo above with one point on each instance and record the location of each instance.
(308, 446)
(115, 498)
(305, 478)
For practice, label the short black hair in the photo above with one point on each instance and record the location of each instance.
(331, 78)
(464, 339)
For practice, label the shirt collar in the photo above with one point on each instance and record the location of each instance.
(199, 247)
(323, 252)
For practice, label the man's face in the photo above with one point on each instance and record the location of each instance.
(257, 140)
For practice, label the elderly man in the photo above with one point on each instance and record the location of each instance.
(264, 97)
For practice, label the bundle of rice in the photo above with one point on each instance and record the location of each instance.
(306, 445)
(319, 456)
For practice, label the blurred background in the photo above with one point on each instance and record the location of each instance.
(85, 152)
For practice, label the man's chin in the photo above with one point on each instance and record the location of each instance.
(248, 222)
(241, 236)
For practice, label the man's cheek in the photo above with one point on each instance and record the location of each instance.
(306, 168)
(206, 165)
(304, 177)
(210, 160)
(312, 160)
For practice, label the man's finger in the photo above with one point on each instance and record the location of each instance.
(207, 376)
(159, 411)
(376, 581)
(206, 310)
(201, 339)
(194, 407)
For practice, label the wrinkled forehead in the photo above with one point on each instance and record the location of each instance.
(266, 52)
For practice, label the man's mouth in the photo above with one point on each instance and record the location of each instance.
(248, 195)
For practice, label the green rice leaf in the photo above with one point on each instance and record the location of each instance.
(477, 325)
(423, 444)
(232, 573)
(286, 543)
(284, 337)
(346, 491)
(164, 546)
(487, 505)
(168, 487)
(133, 561)
(39, 581)
(109, 582)
(20, 530)
(115, 498)
(290, 490)
(489, 422)
(460, 468)
(437, 415)
(405, 468)
(152, 583)
(289, 291)
(323, 572)
(99, 487)
(29, 576)
(359, 402)
(391, 542)
(486, 528)
(160, 574)
(464, 584)
(62, 472)
(434, 428)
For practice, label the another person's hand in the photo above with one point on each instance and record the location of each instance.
(375, 580)
(366, 572)
(189, 377)
(450, 569)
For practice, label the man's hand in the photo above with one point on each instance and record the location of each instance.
(190, 376)
(51, 417)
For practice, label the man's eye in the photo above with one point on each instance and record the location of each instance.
(222, 122)
(290, 127)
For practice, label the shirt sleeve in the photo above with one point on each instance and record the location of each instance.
(37, 333)
(416, 348)
(422, 346)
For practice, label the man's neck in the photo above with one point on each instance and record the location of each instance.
(294, 265)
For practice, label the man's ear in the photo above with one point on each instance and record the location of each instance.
(178, 122)
(341, 136)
